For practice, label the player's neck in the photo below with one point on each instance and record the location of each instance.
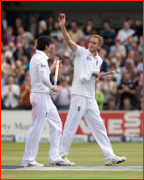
(94, 53)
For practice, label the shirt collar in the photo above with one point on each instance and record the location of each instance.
(92, 54)
(43, 54)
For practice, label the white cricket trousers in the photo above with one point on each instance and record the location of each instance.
(43, 110)
(87, 107)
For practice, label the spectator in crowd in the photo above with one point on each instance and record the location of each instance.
(5, 67)
(5, 71)
(8, 37)
(127, 104)
(104, 46)
(99, 96)
(57, 32)
(140, 83)
(138, 28)
(18, 23)
(140, 46)
(17, 75)
(89, 27)
(125, 33)
(50, 24)
(62, 97)
(68, 68)
(130, 21)
(117, 59)
(4, 23)
(74, 32)
(20, 50)
(33, 25)
(25, 91)
(130, 43)
(131, 70)
(31, 48)
(117, 48)
(64, 48)
(111, 104)
(10, 94)
(139, 105)
(82, 42)
(42, 28)
(24, 37)
(127, 89)
(53, 52)
(67, 23)
(117, 75)
(130, 59)
(108, 33)
(102, 54)
(109, 88)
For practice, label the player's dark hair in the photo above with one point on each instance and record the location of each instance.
(42, 47)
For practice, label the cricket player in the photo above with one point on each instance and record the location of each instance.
(87, 65)
(43, 109)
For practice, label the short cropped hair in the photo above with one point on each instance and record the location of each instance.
(42, 47)
(98, 37)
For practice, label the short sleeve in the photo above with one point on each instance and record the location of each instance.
(41, 65)
(79, 51)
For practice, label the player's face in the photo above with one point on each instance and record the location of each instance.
(93, 44)
(48, 48)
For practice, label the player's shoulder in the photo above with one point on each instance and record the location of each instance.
(38, 58)
(81, 48)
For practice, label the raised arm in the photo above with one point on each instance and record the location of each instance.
(67, 37)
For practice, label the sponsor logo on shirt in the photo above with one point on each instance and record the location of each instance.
(43, 66)
(88, 58)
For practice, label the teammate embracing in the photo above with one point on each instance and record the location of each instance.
(87, 64)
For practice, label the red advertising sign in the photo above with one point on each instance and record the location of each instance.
(117, 123)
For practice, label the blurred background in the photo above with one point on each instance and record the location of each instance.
(121, 26)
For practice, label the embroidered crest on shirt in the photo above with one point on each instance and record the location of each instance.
(88, 58)
(43, 66)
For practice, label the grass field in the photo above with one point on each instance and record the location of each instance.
(82, 154)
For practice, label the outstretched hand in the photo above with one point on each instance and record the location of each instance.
(61, 19)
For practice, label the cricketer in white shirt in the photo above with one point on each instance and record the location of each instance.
(43, 110)
(86, 71)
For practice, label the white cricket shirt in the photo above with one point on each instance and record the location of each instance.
(39, 63)
(84, 63)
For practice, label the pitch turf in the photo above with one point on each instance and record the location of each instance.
(82, 154)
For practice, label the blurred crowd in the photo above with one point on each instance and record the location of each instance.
(121, 51)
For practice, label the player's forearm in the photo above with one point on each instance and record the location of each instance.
(65, 34)
(51, 68)
(45, 80)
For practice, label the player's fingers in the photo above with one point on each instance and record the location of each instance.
(60, 61)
